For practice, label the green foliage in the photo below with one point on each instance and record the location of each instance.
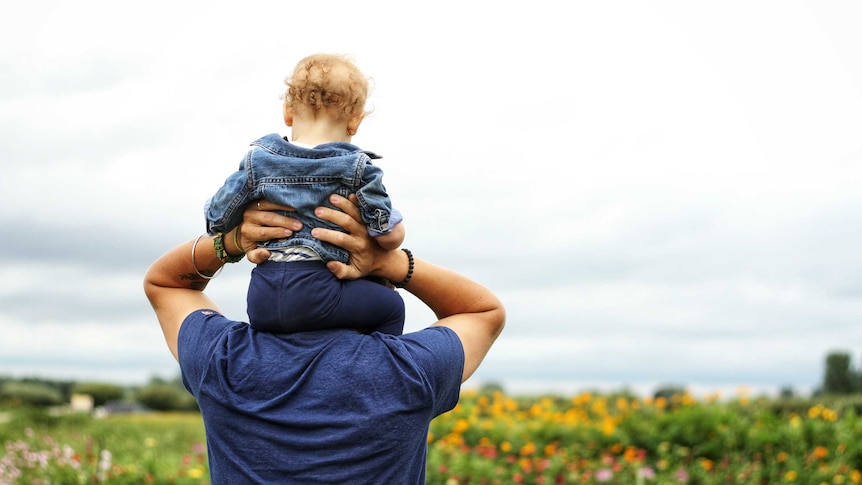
(21, 393)
(100, 391)
(667, 391)
(165, 397)
(839, 377)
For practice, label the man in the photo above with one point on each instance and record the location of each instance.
(322, 407)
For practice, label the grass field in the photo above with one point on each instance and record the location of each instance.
(135, 449)
(493, 438)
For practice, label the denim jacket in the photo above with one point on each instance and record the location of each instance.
(303, 178)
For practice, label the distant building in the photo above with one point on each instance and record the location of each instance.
(81, 403)
(120, 407)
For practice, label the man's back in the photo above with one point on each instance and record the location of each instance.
(331, 406)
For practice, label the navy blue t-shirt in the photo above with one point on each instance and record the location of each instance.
(323, 407)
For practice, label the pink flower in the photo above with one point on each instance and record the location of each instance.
(604, 475)
(646, 472)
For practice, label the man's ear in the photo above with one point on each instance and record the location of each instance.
(288, 115)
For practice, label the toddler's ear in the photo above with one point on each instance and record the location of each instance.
(288, 115)
(353, 124)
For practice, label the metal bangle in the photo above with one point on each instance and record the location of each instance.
(236, 240)
(195, 266)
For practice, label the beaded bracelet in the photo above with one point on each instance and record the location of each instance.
(221, 251)
(195, 266)
(406, 279)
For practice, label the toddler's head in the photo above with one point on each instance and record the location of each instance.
(326, 84)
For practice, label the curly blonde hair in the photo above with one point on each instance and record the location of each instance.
(327, 83)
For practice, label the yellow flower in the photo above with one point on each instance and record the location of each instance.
(505, 447)
(856, 476)
(814, 411)
(582, 398)
(150, 443)
(790, 476)
(622, 404)
(461, 425)
(688, 399)
(196, 472)
(608, 425)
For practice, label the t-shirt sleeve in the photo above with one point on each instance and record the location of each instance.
(199, 334)
(440, 355)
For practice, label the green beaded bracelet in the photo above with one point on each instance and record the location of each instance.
(221, 252)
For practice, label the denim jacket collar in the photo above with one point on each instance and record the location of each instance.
(279, 145)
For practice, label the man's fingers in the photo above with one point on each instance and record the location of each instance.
(349, 206)
(334, 237)
(348, 217)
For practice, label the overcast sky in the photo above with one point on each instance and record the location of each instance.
(660, 192)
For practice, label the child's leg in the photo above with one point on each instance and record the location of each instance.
(294, 297)
(370, 307)
(261, 300)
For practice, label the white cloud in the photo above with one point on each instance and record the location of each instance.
(663, 190)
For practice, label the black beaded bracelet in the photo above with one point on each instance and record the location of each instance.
(406, 279)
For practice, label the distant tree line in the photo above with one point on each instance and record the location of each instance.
(157, 395)
(839, 378)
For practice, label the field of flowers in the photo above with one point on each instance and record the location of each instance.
(156, 448)
(494, 438)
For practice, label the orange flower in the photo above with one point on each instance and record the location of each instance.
(528, 449)
(820, 452)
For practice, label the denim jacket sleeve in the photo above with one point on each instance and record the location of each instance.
(224, 210)
(374, 202)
